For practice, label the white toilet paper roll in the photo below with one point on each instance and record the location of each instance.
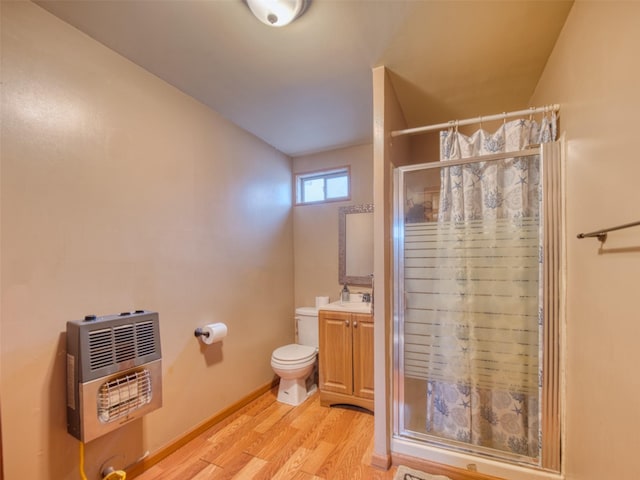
(213, 332)
(320, 301)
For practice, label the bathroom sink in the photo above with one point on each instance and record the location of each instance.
(353, 307)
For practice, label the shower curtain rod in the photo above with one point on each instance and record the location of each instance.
(469, 121)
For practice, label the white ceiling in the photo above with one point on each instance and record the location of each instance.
(307, 87)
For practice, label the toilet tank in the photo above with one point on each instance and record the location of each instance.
(307, 326)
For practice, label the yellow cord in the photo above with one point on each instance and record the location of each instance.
(82, 474)
(113, 475)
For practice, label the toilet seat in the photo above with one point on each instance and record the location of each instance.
(293, 354)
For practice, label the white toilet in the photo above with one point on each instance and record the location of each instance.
(295, 363)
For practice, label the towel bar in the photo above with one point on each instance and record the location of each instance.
(602, 233)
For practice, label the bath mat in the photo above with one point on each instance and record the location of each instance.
(406, 473)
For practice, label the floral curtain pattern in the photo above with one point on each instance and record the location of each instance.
(486, 190)
(479, 406)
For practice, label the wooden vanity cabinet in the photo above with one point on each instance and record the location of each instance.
(346, 358)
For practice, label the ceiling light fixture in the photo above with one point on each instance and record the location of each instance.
(277, 13)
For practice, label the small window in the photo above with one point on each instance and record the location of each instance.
(325, 186)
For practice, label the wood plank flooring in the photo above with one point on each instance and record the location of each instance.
(270, 440)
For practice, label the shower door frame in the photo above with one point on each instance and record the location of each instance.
(550, 221)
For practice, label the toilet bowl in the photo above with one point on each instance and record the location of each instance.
(295, 363)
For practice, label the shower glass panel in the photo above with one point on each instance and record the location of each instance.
(469, 310)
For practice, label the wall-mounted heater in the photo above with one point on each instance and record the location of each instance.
(114, 371)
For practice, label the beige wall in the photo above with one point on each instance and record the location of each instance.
(316, 226)
(120, 192)
(594, 73)
(424, 147)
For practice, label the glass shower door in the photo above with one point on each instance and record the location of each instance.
(469, 306)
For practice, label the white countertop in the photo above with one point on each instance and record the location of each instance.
(353, 307)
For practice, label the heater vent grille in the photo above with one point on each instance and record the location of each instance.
(110, 346)
(124, 342)
(145, 338)
(100, 348)
(121, 396)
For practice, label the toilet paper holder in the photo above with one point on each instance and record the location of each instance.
(200, 333)
(211, 333)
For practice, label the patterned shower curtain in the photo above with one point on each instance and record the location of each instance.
(471, 397)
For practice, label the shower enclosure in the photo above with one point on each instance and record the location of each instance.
(477, 301)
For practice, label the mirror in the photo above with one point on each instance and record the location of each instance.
(355, 231)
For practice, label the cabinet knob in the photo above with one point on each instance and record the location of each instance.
(355, 324)
(346, 322)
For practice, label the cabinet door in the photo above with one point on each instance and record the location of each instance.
(363, 356)
(335, 352)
